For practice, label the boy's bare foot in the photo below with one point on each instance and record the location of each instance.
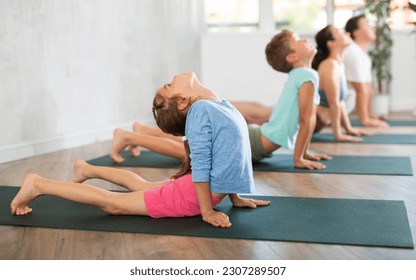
(134, 150)
(137, 127)
(27, 193)
(80, 167)
(118, 145)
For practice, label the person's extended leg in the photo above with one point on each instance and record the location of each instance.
(322, 118)
(153, 131)
(84, 171)
(123, 138)
(253, 112)
(131, 203)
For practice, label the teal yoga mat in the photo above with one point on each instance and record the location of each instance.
(372, 139)
(317, 220)
(391, 123)
(371, 165)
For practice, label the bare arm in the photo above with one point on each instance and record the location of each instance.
(330, 83)
(307, 119)
(208, 213)
(364, 94)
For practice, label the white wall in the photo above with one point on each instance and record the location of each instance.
(403, 68)
(235, 66)
(71, 71)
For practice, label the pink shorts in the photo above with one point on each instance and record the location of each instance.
(175, 198)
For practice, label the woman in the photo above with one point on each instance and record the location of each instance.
(333, 89)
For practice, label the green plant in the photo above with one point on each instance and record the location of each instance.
(380, 55)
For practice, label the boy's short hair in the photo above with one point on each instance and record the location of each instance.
(352, 25)
(277, 50)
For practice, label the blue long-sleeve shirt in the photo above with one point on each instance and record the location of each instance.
(220, 147)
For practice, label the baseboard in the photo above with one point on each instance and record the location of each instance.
(403, 104)
(25, 150)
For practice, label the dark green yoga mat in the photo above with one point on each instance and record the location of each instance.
(318, 220)
(370, 165)
(372, 139)
(391, 123)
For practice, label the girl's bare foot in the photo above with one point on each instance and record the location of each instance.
(80, 168)
(118, 145)
(27, 193)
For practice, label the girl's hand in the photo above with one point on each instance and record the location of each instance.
(217, 219)
(348, 138)
(247, 202)
(316, 157)
(358, 132)
(308, 164)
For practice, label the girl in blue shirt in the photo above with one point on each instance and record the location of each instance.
(216, 143)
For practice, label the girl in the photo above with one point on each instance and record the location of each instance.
(333, 89)
(219, 167)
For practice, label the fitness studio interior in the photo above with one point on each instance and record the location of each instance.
(78, 80)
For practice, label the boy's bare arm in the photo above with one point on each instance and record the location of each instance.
(307, 119)
(208, 213)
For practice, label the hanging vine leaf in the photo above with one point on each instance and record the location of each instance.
(381, 53)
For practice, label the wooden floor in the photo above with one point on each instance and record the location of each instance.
(46, 244)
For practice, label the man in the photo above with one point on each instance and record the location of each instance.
(358, 69)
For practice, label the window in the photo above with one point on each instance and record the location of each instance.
(345, 9)
(299, 15)
(232, 15)
(401, 15)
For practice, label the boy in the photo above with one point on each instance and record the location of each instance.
(293, 118)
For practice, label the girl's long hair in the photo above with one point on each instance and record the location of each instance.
(322, 38)
(171, 120)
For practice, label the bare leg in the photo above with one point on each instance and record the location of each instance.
(123, 138)
(253, 112)
(127, 179)
(153, 131)
(322, 118)
(131, 203)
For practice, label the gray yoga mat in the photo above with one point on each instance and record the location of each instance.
(390, 122)
(371, 165)
(318, 220)
(372, 139)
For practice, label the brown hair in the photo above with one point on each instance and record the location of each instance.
(322, 38)
(171, 120)
(353, 24)
(277, 50)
